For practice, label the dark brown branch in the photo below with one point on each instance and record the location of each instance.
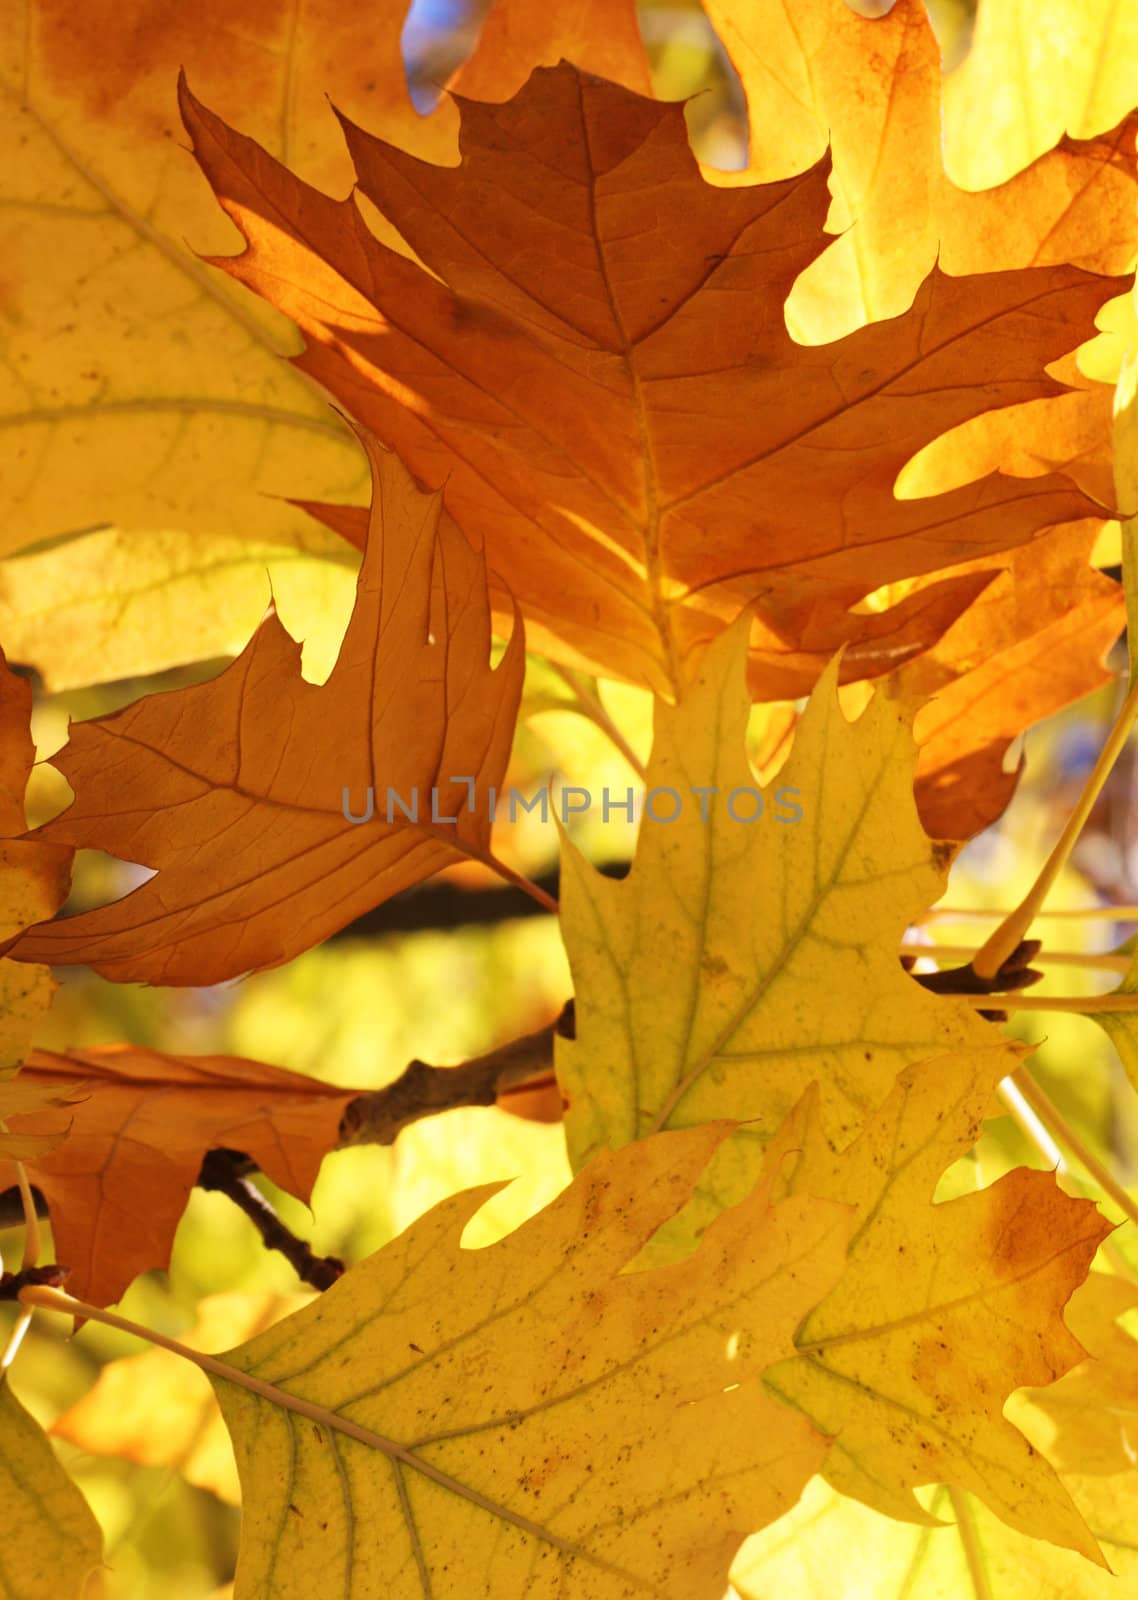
(222, 1171)
(1015, 973)
(54, 1276)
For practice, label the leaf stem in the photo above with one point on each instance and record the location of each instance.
(967, 913)
(591, 706)
(1062, 1132)
(1003, 940)
(47, 1299)
(973, 1554)
(519, 881)
(32, 1240)
(1080, 1004)
(1109, 960)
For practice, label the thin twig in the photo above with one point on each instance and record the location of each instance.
(221, 1173)
(421, 1090)
(591, 706)
(969, 1538)
(1061, 1130)
(1108, 960)
(1080, 1004)
(1120, 913)
(1008, 934)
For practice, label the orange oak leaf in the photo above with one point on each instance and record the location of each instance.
(787, 668)
(141, 389)
(815, 73)
(1033, 643)
(118, 1185)
(599, 36)
(594, 361)
(234, 789)
(1070, 432)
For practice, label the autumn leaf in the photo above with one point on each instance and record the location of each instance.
(833, 1548)
(117, 1188)
(242, 779)
(25, 1096)
(1087, 1421)
(830, 1547)
(139, 389)
(159, 1411)
(53, 1548)
(819, 73)
(744, 956)
(1033, 642)
(1027, 85)
(527, 1418)
(942, 1311)
(34, 877)
(637, 454)
(109, 605)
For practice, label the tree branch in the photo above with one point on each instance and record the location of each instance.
(421, 1090)
(222, 1171)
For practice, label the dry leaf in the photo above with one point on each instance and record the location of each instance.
(943, 1310)
(741, 960)
(242, 779)
(816, 73)
(643, 448)
(528, 1418)
(52, 1544)
(118, 1186)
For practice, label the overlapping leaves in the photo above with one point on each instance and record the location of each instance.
(242, 779)
(636, 437)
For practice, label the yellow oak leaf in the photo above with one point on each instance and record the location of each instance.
(528, 1418)
(832, 1548)
(136, 389)
(742, 959)
(1087, 1421)
(34, 877)
(1025, 82)
(109, 604)
(234, 789)
(942, 1311)
(52, 1547)
(815, 73)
